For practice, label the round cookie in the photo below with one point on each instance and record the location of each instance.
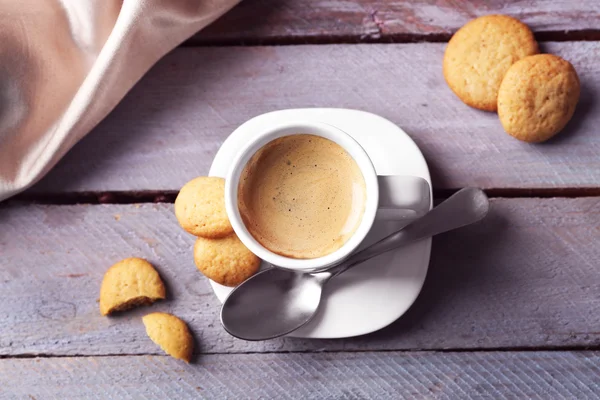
(538, 97)
(479, 54)
(171, 334)
(129, 283)
(226, 261)
(200, 208)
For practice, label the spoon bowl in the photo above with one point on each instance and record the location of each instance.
(261, 297)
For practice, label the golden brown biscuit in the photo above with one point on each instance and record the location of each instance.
(538, 97)
(129, 283)
(479, 54)
(171, 334)
(226, 261)
(200, 208)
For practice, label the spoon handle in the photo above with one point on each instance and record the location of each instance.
(463, 208)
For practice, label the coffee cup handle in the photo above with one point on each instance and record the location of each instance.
(402, 197)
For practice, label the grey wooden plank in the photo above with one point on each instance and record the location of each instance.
(527, 276)
(286, 20)
(167, 130)
(379, 375)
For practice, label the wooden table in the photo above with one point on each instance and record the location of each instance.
(510, 308)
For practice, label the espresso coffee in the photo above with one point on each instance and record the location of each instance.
(302, 196)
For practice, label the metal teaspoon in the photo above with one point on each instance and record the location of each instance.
(276, 301)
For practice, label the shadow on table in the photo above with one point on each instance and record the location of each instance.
(462, 264)
(459, 260)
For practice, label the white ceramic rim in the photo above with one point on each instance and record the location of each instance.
(327, 131)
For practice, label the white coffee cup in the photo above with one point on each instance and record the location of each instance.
(403, 203)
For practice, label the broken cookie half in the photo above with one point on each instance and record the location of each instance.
(171, 334)
(130, 283)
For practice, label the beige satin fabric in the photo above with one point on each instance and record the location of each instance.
(65, 64)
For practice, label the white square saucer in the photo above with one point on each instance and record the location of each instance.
(379, 291)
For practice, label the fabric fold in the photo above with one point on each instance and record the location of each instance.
(65, 64)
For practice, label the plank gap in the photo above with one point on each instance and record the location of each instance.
(516, 193)
(105, 197)
(393, 38)
(50, 355)
(169, 196)
(517, 349)
(316, 40)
